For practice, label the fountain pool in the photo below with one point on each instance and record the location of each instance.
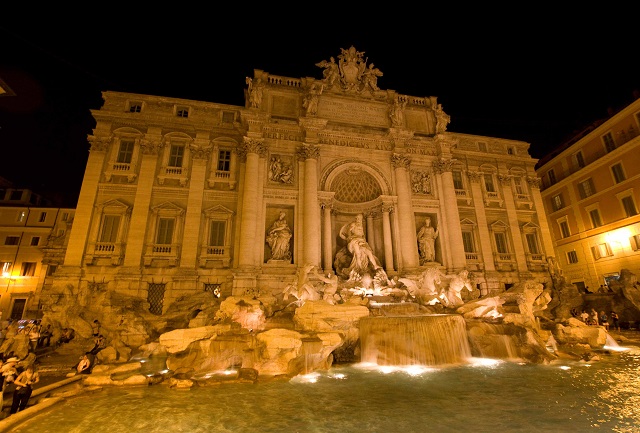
(481, 396)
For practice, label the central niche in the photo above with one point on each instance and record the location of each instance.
(355, 185)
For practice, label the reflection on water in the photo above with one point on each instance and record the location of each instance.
(603, 396)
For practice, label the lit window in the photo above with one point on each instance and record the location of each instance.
(6, 269)
(635, 242)
(28, 269)
(601, 250)
(572, 257)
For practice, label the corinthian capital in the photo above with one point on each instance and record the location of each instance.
(253, 145)
(474, 176)
(400, 161)
(534, 182)
(443, 165)
(308, 151)
(99, 143)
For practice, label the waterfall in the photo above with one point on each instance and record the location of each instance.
(437, 339)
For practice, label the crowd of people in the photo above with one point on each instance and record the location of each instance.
(592, 318)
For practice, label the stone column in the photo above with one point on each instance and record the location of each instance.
(370, 232)
(406, 220)
(327, 238)
(481, 218)
(443, 168)
(150, 148)
(86, 200)
(253, 149)
(388, 243)
(200, 152)
(514, 224)
(311, 212)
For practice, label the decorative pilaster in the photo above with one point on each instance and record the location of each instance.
(406, 221)
(481, 218)
(443, 168)
(388, 243)
(86, 199)
(545, 232)
(136, 236)
(327, 234)
(514, 225)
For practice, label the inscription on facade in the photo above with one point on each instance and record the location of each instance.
(348, 111)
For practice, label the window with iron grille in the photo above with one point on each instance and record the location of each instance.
(572, 257)
(155, 297)
(213, 288)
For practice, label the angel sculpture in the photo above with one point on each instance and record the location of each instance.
(331, 71)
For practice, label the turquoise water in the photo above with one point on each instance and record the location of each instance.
(489, 396)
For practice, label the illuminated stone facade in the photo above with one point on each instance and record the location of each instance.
(179, 195)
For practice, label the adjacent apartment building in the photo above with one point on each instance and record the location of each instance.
(179, 195)
(591, 191)
(33, 235)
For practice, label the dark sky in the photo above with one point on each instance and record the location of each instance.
(525, 75)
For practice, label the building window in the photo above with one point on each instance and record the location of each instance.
(182, 111)
(488, 183)
(228, 117)
(43, 217)
(556, 202)
(467, 242)
(520, 188)
(217, 230)
(457, 179)
(16, 195)
(578, 159)
(51, 269)
(28, 269)
(482, 146)
(22, 215)
(564, 229)
(609, 144)
(596, 221)
(629, 206)
(572, 257)
(164, 234)
(618, 173)
(532, 243)
(6, 269)
(12, 240)
(65, 216)
(176, 156)
(511, 150)
(601, 250)
(135, 107)
(551, 175)
(35, 240)
(110, 226)
(501, 242)
(586, 188)
(125, 152)
(224, 160)
(635, 242)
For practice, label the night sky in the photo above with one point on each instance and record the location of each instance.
(533, 76)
